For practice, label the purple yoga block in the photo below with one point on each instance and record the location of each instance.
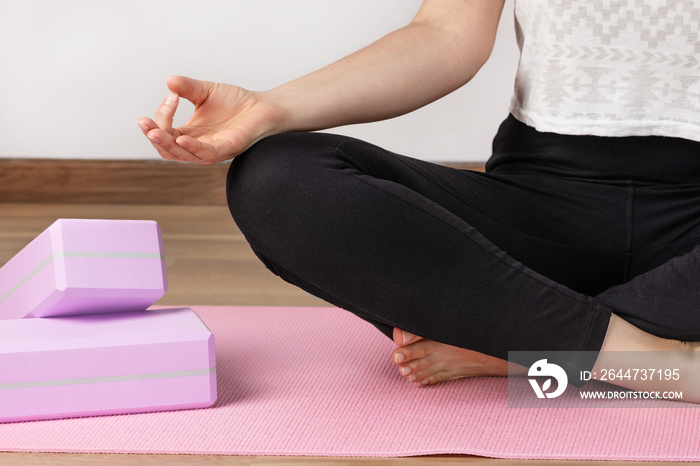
(88, 365)
(79, 266)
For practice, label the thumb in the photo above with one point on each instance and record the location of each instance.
(194, 90)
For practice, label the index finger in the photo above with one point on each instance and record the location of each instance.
(166, 112)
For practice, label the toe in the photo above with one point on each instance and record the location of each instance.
(441, 376)
(429, 372)
(409, 338)
(417, 350)
(398, 336)
(398, 356)
(420, 365)
(416, 355)
(403, 338)
(406, 354)
(433, 379)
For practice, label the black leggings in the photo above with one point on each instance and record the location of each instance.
(532, 255)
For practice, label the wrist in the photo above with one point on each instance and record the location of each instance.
(283, 116)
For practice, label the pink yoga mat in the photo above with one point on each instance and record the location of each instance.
(319, 381)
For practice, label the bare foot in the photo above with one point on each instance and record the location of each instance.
(429, 362)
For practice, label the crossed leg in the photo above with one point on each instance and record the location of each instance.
(379, 235)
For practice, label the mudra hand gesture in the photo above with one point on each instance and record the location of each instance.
(227, 120)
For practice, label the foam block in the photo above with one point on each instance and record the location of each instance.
(79, 266)
(126, 362)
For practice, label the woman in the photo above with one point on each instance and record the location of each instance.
(580, 237)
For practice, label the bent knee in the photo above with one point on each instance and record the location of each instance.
(267, 179)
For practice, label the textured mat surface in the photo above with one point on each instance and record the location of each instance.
(318, 381)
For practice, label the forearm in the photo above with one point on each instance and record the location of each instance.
(401, 72)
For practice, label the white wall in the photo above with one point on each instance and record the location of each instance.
(76, 74)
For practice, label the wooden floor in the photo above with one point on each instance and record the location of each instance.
(208, 262)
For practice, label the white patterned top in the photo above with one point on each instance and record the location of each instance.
(609, 67)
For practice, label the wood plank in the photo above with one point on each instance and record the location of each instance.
(119, 181)
(112, 181)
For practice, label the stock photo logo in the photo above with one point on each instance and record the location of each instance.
(543, 370)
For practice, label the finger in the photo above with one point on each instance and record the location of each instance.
(204, 152)
(155, 139)
(167, 148)
(166, 112)
(157, 136)
(194, 90)
(146, 124)
(208, 152)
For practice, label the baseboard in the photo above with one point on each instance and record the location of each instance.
(119, 181)
(473, 166)
(111, 181)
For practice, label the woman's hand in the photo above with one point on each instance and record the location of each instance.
(227, 120)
